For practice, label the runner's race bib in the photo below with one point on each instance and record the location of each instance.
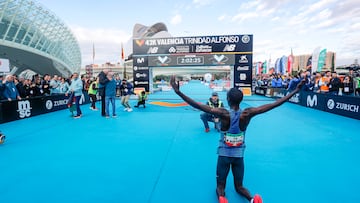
(234, 140)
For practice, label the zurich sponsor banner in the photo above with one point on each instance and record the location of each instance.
(343, 105)
(59, 102)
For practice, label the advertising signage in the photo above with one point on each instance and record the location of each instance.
(192, 60)
(200, 44)
(228, 50)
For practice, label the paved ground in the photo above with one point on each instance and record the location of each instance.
(162, 154)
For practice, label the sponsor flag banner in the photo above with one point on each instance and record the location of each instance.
(290, 63)
(258, 67)
(264, 68)
(308, 63)
(268, 65)
(283, 63)
(122, 52)
(93, 54)
(322, 58)
(315, 59)
(277, 65)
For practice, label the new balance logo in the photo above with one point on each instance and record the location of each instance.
(153, 50)
(230, 47)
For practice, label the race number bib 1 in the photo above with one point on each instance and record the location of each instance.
(234, 140)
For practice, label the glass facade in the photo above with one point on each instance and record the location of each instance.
(29, 26)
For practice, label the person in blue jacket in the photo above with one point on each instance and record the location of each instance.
(110, 95)
(10, 91)
(76, 89)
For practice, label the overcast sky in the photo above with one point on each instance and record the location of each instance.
(277, 25)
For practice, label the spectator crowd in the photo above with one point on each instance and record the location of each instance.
(13, 87)
(320, 82)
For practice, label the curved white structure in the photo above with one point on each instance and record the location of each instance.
(33, 38)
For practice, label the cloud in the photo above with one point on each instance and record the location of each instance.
(275, 18)
(199, 3)
(177, 19)
(244, 16)
(107, 43)
(100, 35)
(256, 9)
(222, 17)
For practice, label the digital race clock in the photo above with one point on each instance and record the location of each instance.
(190, 60)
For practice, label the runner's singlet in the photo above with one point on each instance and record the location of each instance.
(232, 141)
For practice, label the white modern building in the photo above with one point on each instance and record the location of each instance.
(33, 38)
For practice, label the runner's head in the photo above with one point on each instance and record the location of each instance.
(234, 97)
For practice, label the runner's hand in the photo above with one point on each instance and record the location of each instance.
(174, 84)
(301, 84)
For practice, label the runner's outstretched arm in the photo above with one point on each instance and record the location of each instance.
(216, 111)
(253, 111)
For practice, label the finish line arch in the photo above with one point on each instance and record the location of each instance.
(225, 50)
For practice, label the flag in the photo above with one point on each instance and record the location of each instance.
(290, 62)
(268, 65)
(122, 52)
(333, 62)
(321, 62)
(264, 67)
(258, 67)
(283, 62)
(308, 64)
(315, 59)
(277, 65)
(93, 52)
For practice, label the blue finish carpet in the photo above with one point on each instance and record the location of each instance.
(162, 154)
